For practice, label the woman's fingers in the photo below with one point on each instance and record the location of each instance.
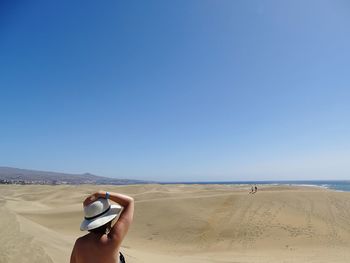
(90, 199)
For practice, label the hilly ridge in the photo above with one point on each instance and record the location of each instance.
(10, 175)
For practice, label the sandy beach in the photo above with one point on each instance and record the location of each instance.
(184, 223)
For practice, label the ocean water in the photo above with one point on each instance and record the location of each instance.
(329, 184)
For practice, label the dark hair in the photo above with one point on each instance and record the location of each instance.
(102, 229)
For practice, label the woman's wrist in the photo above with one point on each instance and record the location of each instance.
(100, 194)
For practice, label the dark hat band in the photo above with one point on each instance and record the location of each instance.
(93, 217)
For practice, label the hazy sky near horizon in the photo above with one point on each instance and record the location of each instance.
(177, 90)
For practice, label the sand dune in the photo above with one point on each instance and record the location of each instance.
(184, 223)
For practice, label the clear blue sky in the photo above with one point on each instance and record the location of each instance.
(177, 90)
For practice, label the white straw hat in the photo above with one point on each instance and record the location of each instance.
(99, 213)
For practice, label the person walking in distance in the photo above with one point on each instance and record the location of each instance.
(107, 224)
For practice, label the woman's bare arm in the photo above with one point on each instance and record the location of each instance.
(121, 227)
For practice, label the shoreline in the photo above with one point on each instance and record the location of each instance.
(333, 185)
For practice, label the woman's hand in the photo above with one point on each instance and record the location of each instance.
(91, 198)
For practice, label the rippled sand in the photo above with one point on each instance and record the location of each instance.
(184, 223)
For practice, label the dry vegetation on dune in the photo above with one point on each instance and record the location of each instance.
(185, 223)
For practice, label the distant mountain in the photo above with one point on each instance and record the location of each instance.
(9, 175)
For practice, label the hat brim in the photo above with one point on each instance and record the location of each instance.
(114, 212)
